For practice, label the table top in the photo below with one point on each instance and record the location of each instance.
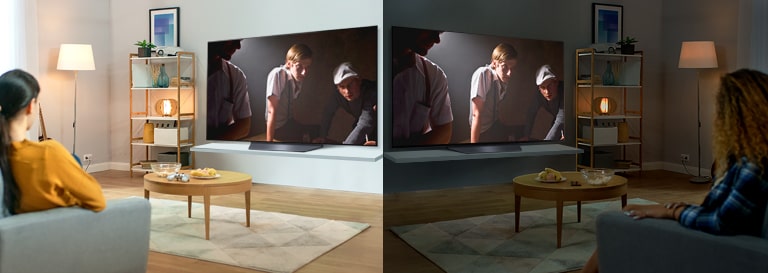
(226, 178)
(529, 181)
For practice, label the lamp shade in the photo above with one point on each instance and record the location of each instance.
(698, 54)
(75, 57)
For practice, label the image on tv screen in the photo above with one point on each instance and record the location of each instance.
(451, 88)
(314, 87)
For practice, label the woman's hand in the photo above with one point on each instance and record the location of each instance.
(651, 211)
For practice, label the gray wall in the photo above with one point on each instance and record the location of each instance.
(692, 20)
(568, 21)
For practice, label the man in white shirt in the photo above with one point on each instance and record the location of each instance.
(284, 85)
(421, 105)
(488, 87)
(228, 113)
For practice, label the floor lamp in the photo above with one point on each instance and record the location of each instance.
(75, 57)
(698, 54)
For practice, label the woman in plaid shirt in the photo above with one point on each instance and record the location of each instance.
(737, 202)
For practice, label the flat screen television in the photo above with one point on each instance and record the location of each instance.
(294, 91)
(483, 90)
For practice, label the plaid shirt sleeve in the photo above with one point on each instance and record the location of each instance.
(734, 206)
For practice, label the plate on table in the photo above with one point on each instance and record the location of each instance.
(206, 177)
(551, 181)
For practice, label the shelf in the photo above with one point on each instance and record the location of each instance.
(169, 59)
(161, 89)
(582, 116)
(610, 55)
(609, 86)
(183, 145)
(161, 118)
(338, 152)
(629, 143)
(447, 155)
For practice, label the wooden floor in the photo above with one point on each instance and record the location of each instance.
(362, 253)
(377, 249)
(441, 205)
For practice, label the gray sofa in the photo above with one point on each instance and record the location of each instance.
(655, 245)
(73, 239)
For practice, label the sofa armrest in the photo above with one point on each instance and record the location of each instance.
(73, 239)
(658, 245)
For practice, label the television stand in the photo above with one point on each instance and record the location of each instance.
(284, 147)
(486, 148)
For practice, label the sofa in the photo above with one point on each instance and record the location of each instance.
(656, 245)
(72, 239)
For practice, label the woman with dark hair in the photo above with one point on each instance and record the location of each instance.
(37, 175)
(737, 202)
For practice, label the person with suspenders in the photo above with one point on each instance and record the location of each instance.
(229, 106)
(487, 89)
(421, 105)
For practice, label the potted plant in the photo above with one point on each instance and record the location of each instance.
(627, 45)
(145, 48)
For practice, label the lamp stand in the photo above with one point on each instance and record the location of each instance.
(699, 179)
(74, 121)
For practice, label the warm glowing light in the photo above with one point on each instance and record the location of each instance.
(604, 105)
(167, 107)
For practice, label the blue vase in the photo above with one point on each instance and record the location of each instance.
(608, 75)
(162, 80)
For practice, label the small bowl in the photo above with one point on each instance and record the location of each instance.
(597, 177)
(163, 169)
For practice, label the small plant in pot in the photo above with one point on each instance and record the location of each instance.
(627, 45)
(145, 48)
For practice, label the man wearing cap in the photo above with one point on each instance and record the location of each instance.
(551, 100)
(488, 87)
(357, 97)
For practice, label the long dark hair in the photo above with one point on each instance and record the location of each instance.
(17, 89)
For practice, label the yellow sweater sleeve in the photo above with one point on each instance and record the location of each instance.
(48, 177)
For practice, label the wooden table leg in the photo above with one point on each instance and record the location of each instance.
(623, 200)
(248, 208)
(559, 220)
(189, 206)
(517, 213)
(578, 211)
(207, 204)
(146, 194)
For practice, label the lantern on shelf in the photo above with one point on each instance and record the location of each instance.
(604, 105)
(167, 107)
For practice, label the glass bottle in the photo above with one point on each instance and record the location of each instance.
(608, 75)
(162, 80)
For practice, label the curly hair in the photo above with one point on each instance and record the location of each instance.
(742, 114)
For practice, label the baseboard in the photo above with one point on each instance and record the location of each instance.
(98, 167)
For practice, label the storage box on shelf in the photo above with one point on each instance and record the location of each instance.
(609, 107)
(162, 118)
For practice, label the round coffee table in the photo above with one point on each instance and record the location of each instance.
(527, 186)
(228, 183)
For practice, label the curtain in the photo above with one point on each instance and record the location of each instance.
(18, 23)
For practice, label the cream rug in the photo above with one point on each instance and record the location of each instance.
(275, 242)
(489, 243)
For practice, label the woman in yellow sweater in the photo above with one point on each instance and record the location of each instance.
(37, 175)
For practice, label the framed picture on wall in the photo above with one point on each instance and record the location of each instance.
(164, 26)
(607, 23)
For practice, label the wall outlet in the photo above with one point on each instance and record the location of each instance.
(88, 157)
(685, 157)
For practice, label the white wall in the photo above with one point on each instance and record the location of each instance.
(203, 21)
(76, 21)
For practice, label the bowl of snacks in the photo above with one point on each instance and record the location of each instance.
(597, 176)
(163, 169)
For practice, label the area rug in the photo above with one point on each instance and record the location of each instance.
(489, 243)
(275, 242)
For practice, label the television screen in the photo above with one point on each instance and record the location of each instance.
(314, 87)
(451, 88)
